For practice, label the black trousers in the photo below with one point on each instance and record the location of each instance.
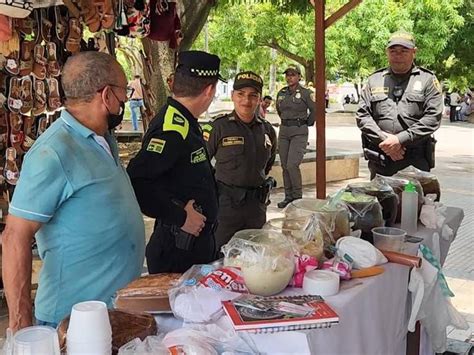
(162, 255)
(236, 214)
(392, 167)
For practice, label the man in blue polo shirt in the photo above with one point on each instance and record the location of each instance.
(76, 197)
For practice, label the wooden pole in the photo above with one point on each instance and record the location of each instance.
(320, 86)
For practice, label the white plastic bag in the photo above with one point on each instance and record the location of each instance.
(151, 345)
(361, 251)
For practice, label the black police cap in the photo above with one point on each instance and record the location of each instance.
(248, 79)
(199, 64)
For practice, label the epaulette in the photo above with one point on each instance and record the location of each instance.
(426, 70)
(218, 117)
(380, 70)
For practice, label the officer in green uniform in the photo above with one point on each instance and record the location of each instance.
(244, 146)
(400, 110)
(295, 105)
(172, 174)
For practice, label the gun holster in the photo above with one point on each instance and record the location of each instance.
(269, 184)
(430, 151)
(372, 153)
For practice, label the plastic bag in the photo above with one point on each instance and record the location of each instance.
(333, 217)
(151, 345)
(429, 182)
(194, 300)
(304, 232)
(366, 212)
(266, 259)
(362, 252)
(398, 185)
(387, 198)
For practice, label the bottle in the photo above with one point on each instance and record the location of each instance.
(409, 209)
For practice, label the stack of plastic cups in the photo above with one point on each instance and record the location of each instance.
(89, 329)
(36, 340)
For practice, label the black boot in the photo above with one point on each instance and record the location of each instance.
(285, 202)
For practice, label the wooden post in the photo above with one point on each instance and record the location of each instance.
(320, 86)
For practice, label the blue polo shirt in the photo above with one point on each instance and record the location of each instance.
(92, 238)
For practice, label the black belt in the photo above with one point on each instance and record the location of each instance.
(250, 192)
(296, 122)
(136, 99)
(207, 227)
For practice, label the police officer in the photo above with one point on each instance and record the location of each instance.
(244, 145)
(400, 109)
(172, 175)
(295, 106)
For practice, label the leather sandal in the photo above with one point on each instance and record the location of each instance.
(3, 128)
(40, 101)
(14, 95)
(53, 65)
(16, 131)
(24, 25)
(90, 15)
(54, 100)
(105, 8)
(26, 95)
(12, 64)
(26, 57)
(73, 42)
(42, 125)
(29, 138)
(39, 65)
(46, 25)
(61, 18)
(11, 171)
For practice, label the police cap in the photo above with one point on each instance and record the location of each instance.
(248, 79)
(294, 69)
(199, 64)
(401, 38)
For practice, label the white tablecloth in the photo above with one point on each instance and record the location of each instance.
(373, 313)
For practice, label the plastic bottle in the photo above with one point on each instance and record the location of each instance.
(409, 209)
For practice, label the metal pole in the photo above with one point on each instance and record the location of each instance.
(320, 86)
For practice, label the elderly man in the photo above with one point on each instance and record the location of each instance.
(172, 175)
(77, 199)
(400, 109)
(244, 146)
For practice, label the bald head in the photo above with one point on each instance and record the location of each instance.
(85, 73)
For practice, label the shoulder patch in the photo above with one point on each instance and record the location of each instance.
(156, 145)
(207, 127)
(175, 121)
(436, 84)
(198, 156)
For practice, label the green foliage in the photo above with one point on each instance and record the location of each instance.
(241, 32)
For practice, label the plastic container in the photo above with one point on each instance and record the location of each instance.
(89, 329)
(36, 340)
(389, 238)
(409, 220)
(265, 257)
(321, 282)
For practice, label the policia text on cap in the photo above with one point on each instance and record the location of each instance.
(400, 109)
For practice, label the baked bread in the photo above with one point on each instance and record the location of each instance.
(125, 327)
(148, 293)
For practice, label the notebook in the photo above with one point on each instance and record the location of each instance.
(276, 314)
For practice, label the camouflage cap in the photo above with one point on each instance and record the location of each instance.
(401, 38)
(293, 68)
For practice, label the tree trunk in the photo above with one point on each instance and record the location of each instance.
(309, 72)
(161, 58)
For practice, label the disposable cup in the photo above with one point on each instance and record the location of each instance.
(36, 340)
(389, 238)
(89, 322)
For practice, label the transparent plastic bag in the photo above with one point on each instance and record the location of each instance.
(304, 232)
(429, 182)
(333, 217)
(265, 257)
(151, 345)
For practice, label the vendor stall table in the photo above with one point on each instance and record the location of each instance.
(373, 312)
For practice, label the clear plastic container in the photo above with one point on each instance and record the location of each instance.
(389, 238)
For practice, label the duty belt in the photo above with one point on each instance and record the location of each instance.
(250, 192)
(294, 122)
(208, 226)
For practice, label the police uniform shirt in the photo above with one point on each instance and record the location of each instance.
(293, 105)
(173, 164)
(244, 152)
(417, 114)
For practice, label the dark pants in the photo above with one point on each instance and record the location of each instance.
(236, 214)
(453, 114)
(418, 160)
(162, 255)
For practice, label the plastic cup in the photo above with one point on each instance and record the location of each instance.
(89, 322)
(36, 340)
(389, 238)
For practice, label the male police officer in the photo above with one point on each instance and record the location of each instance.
(295, 105)
(172, 175)
(400, 109)
(244, 146)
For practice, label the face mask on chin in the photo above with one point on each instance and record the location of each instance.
(114, 119)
